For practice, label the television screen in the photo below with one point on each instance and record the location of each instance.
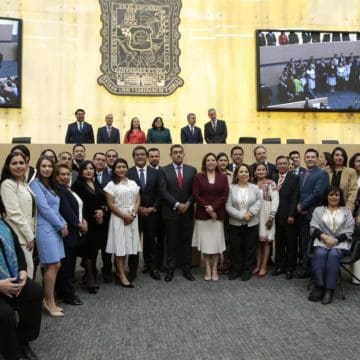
(301, 70)
(10, 62)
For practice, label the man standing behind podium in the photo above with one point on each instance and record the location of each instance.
(215, 131)
(79, 132)
(177, 212)
(108, 134)
(191, 134)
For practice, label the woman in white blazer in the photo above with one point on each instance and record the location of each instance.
(19, 204)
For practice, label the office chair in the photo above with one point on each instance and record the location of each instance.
(329, 141)
(21, 140)
(247, 140)
(295, 141)
(271, 141)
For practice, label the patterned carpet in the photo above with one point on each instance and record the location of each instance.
(268, 318)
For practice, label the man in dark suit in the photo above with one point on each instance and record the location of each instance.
(313, 184)
(191, 134)
(111, 156)
(295, 156)
(286, 216)
(270, 38)
(260, 154)
(148, 180)
(108, 134)
(103, 177)
(178, 212)
(78, 156)
(215, 130)
(79, 131)
(237, 156)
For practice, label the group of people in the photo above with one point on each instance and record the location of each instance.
(81, 132)
(68, 207)
(303, 79)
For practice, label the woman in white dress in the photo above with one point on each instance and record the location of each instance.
(123, 200)
(269, 206)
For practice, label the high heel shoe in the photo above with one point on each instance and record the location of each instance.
(215, 275)
(261, 274)
(128, 286)
(255, 271)
(56, 313)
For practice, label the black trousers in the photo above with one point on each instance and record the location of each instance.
(178, 237)
(28, 306)
(286, 245)
(64, 284)
(243, 242)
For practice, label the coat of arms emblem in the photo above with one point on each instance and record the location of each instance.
(140, 52)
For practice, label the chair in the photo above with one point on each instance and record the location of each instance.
(326, 38)
(21, 140)
(247, 140)
(271, 141)
(295, 141)
(329, 141)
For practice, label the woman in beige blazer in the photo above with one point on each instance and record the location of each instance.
(19, 205)
(343, 177)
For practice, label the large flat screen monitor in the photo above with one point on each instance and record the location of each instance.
(10, 62)
(300, 70)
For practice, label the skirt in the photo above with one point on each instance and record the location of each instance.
(209, 236)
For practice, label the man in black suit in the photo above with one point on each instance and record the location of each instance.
(108, 134)
(237, 156)
(103, 177)
(295, 156)
(78, 156)
(66, 157)
(148, 180)
(79, 131)
(286, 225)
(111, 156)
(260, 154)
(271, 39)
(191, 134)
(215, 130)
(177, 212)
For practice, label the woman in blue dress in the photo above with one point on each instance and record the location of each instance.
(51, 228)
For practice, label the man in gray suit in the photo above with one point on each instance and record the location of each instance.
(108, 134)
(215, 130)
(177, 212)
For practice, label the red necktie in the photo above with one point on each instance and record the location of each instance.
(179, 177)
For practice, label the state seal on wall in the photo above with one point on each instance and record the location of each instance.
(140, 47)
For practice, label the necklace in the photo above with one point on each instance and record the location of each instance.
(243, 197)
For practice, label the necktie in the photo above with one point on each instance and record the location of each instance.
(109, 131)
(192, 130)
(99, 178)
(214, 125)
(281, 181)
(307, 174)
(80, 127)
(179, 177)
(142, 178)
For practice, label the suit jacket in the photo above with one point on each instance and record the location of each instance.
(103, 137)
(188, 138)
(313, 190)
(210, 194)
(215, 137)
(348, 184)
(288, 198)
(69, 210)
(302, 170)
(74, 136)
(105, 178)
(149, 196)
(171, 193)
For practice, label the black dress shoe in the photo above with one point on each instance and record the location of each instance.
(245, 276)
(73, 301)
(26, 352)
(316, 294)
(169, 276)
(302, 275)
(92, 289)
(145, 270)
(155, 274)
(107, 278)
(132, 276)
(289, 275)
(277, 272)
(233, 275)
(328, 297)
(188, 276)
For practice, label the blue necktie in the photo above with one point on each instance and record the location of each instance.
(142, 178)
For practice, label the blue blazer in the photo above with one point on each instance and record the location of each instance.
(313, 190)
(73, 136)
(188, 138)
(103, 137)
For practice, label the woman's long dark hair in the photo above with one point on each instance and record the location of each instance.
(154, 121)
(344, 154)
(5, 173)
(114, 177)
(203, 162)
(334, 189)
(82, 168)
(52, 151)
(236, 171)
(51, 186)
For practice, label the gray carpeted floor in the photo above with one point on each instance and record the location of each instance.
(268, 318)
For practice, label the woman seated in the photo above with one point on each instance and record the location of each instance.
(332, 226)
(19, 293)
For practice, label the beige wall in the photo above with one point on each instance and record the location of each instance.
(61, 61)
